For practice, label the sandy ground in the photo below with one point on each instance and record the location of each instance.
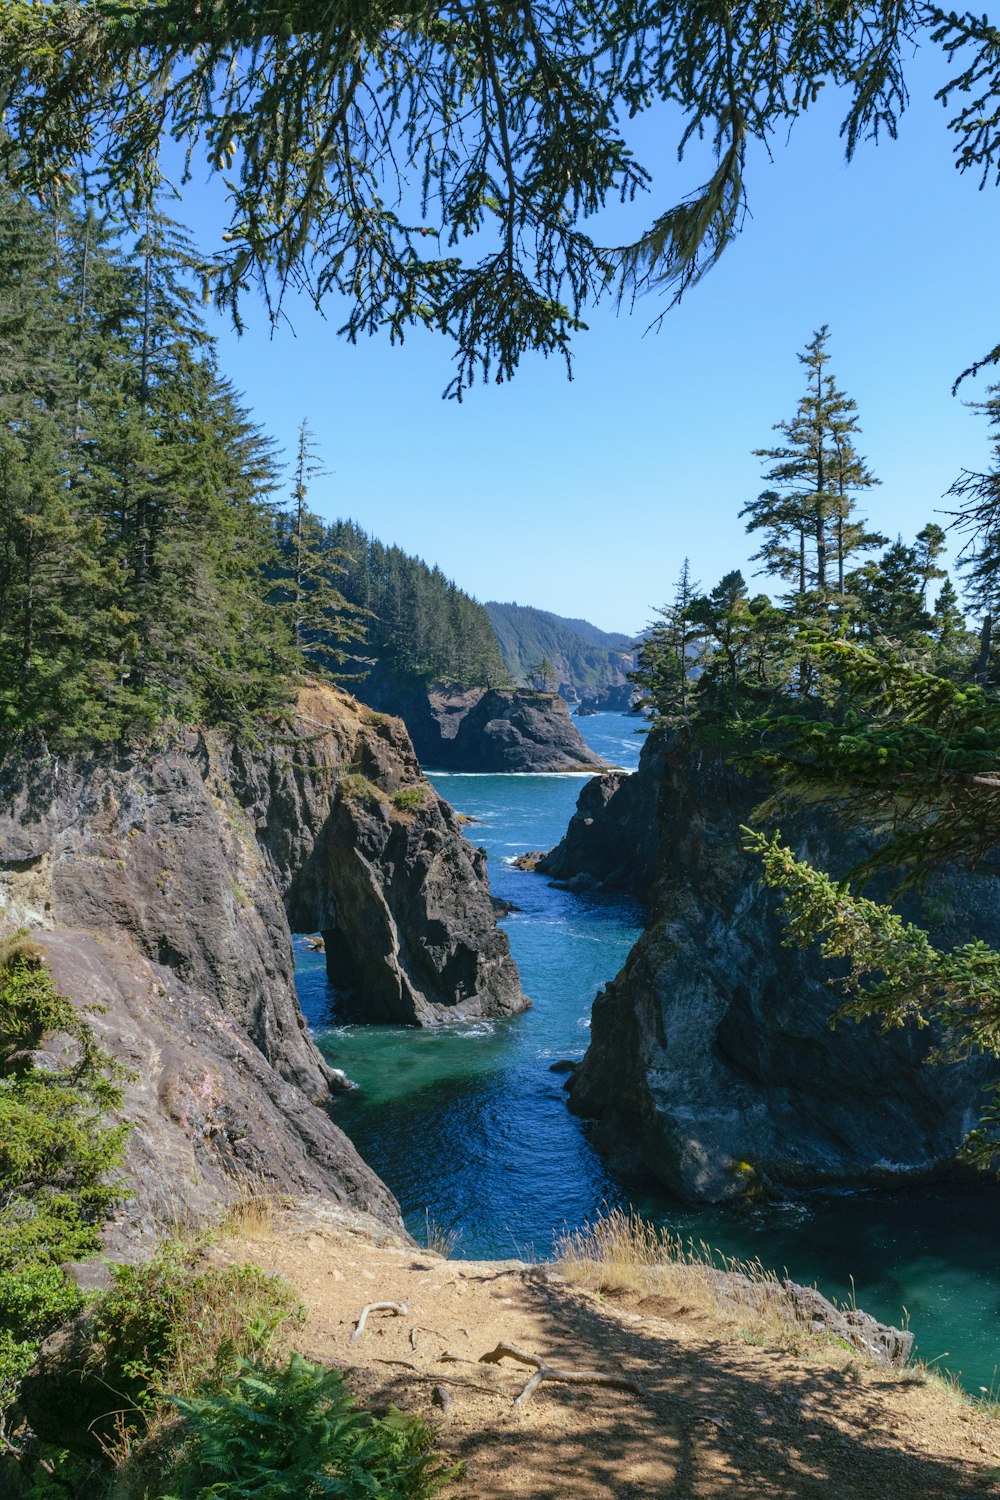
(717, 1416)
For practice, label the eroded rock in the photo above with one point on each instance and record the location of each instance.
(486, 730)
(162, 886)
(712, 1063)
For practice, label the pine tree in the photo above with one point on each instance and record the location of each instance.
(135, 514)
(953, 643)
(891, 596)
(979, 518)
(321, 621)
(669, 650)
(929, 546)
(807, 511)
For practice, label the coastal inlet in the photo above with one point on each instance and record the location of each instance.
(470, 1129)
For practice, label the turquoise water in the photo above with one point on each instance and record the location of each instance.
(469, 1126)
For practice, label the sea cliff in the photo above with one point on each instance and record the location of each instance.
(485, 730)
(163, 887)
(712, 1062)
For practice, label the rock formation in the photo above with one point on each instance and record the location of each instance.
(162, 887)
(712, 1063)
(485, 730)
(612, 841)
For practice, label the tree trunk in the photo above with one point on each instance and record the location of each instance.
(985, 642)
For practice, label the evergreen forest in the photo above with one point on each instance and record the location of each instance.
(150, 568)
(869, 685)
(417, 626)
(583, 658)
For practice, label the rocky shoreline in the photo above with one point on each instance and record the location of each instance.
(163, 887)
(712, 1064)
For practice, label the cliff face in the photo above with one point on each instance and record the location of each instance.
(612, 841)
(163, 889)
(485, 730)
(712, 1064)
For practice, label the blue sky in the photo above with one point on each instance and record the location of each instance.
(584, 497)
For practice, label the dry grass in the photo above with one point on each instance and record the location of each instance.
(253, 1214)
(438, 1240)
(621, 1255)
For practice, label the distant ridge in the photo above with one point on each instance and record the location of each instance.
(591, 664)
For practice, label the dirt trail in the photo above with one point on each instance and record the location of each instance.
(719, 1418)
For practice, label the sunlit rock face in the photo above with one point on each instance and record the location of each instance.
(164, 887)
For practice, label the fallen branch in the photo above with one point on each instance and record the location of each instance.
(399, 1308)
(545, 1371)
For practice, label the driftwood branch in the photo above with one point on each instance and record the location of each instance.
(399, 1308)
(545, 1371)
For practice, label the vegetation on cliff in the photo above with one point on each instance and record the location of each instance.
(178, 1383)
(856, 690)
(59, 1154)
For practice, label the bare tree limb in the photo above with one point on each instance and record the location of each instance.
(399, 1308)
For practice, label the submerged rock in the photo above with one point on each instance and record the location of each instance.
(163, 886)
(712, 1063)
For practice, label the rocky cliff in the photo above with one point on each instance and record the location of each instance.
(485, 730)
(163, 888)
(712, 1064)
(612, 841)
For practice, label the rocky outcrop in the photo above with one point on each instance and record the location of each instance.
(712, 1063)
(612, 840)
(485, 730)
(162, 887)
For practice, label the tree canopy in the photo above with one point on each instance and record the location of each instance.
(859, 691)
(439, 163)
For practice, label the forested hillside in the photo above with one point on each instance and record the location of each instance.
(417, 624)
(147, 569)
(137, 558)
(573, 654)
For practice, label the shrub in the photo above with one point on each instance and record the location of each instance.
(296, 1434)
(357, 788)
(409, 798)
(58, 1155)
(168, 1327)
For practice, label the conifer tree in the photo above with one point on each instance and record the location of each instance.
(135, 519)
(420, 626)
(929, 546)
(320, 619)
(979, 518)
(891, 595)
(807, 513)
(669, 650)
(952, 640)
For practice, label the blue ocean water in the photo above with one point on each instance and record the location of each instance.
(469, 1126)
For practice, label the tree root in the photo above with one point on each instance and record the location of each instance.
(399, 1308)
(545, 1371)
(438, 1379)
